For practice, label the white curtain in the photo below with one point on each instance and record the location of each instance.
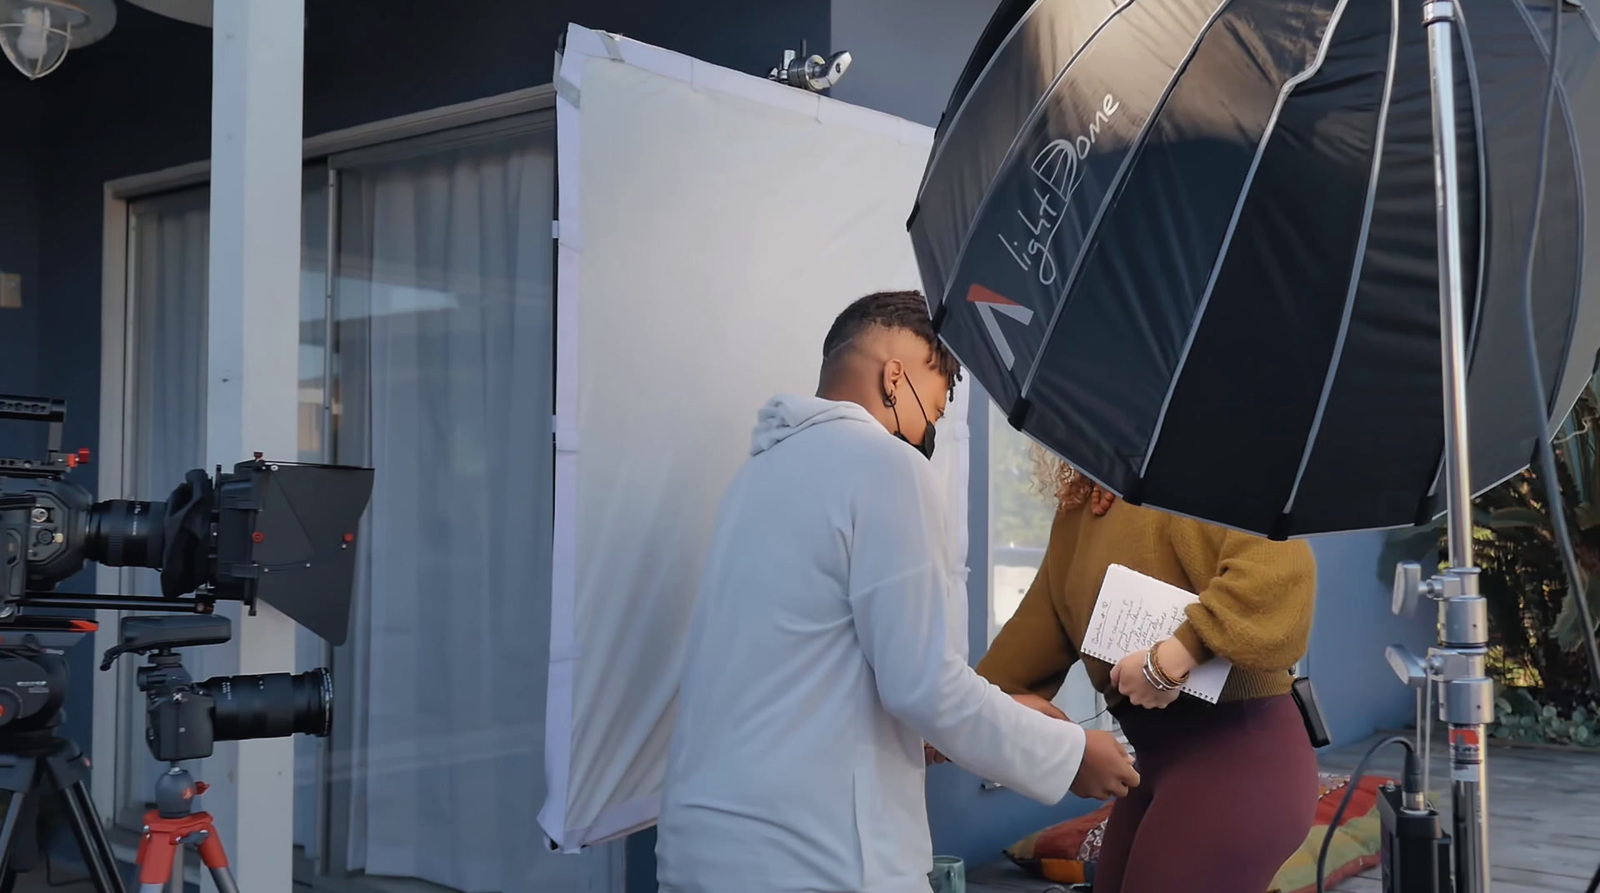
(311, 652)
(168, 296)
(167, 413)
(445, 353)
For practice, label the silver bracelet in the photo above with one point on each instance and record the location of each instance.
(1155, 678)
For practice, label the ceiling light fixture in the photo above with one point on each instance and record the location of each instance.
(36, 35)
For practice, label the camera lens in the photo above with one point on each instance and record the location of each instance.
(271, 705)
(126, 533)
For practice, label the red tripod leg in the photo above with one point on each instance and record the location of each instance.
(157, 850)
(214, 856)
(211, 852)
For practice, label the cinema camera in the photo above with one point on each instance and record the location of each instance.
(284, 533)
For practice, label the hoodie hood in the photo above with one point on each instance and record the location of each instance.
(787, 415)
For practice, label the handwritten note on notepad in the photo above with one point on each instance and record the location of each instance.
(1135, 612)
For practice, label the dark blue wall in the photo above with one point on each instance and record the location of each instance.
(140, 101)
(1358, 692)
(19, 252)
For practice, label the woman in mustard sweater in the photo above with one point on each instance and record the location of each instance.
(1228, 791)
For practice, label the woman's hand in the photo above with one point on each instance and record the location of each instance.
(1100, 501)
(1128, 675)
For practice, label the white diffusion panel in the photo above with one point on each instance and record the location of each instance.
(712, 225)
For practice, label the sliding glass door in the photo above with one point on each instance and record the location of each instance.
(427, 352)
(164, 420)
(444, 352)
(164, 406)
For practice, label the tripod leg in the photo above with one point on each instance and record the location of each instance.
(216, 859)
(223, 878)
(156, 857)
(8, 828)
(97, 855)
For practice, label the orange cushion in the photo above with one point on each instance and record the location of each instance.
(1065, 852)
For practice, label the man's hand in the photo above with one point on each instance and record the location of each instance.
(1107, 770)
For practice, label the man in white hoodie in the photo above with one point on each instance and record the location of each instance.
(824, 651)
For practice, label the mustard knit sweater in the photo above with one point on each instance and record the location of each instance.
(1255, 600)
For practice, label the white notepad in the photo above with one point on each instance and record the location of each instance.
(1135, 612)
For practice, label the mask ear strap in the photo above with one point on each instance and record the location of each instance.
(917, 397)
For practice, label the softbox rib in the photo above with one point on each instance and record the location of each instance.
(1503, 433)
(1117, 183)
(1233, 223)
(946, 275)
(1564, 105)
(950, 119)
(1579, 51)
(1360, 258)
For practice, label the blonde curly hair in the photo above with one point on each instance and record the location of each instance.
(1052, 476)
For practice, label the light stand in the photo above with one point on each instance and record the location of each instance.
(1456, 664)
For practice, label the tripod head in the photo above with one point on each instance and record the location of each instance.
(33, 674)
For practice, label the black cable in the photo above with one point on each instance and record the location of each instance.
(1547, 454)
(1413, 775)
(1103, 712)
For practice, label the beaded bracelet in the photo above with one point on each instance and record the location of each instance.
(1155, 662)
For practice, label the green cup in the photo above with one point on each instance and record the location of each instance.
(949, 875)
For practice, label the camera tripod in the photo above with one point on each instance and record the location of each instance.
(170, 827)
(38, 767)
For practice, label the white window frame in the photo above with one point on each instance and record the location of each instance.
(1080, 701)
(117, 346)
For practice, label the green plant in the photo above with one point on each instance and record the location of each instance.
(1535, 634)
(1522, 716)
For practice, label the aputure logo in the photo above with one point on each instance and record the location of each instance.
(1057, 170)
(989, 303)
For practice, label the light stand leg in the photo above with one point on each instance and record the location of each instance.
(1467, 697)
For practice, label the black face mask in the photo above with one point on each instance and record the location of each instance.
(926, 447)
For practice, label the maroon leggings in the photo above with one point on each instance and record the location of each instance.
(1227, 792)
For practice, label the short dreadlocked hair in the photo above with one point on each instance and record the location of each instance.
(903, 310)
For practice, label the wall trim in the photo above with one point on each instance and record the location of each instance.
(111, 464)
(361, 136)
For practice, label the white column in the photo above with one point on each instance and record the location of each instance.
(252, 387)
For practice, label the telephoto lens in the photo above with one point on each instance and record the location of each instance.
(271, 705)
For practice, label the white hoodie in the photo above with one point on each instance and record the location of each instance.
(819, 659)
